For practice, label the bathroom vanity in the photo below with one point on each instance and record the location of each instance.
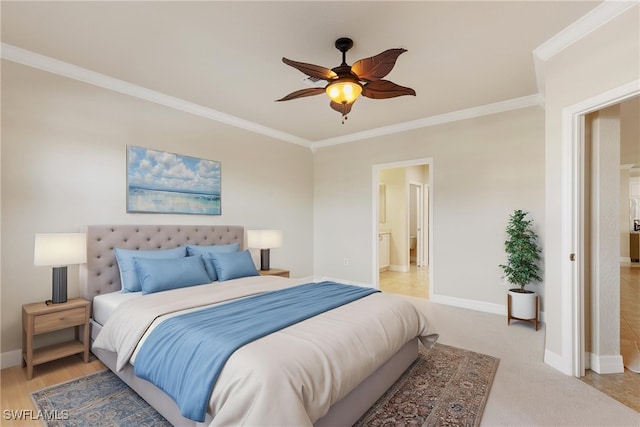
(384, 250)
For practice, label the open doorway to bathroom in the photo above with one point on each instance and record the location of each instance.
(403, 202)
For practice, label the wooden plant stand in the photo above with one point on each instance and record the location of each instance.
(509, 316)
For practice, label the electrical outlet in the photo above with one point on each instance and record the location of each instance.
(345, 261)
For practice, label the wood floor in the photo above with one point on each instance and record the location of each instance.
(623, 387)
(16, 389)
(630, 315)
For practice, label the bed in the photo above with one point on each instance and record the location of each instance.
(278, 389)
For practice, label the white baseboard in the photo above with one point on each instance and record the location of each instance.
(557, 362)
(486, 307)
(625, 259)
(346, 282)
(607, 364)
(399, 268)
(11, 358)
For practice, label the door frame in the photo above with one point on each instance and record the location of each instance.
(375, 181)
(573, 170)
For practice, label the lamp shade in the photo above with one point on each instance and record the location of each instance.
(264, 239)
(344, 90)
(60, 249)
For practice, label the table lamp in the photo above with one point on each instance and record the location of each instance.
(60, 250)
(264, 240)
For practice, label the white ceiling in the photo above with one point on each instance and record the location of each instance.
(224, 58)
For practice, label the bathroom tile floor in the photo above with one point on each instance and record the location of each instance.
(415, 283)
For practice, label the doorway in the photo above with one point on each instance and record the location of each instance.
(586, 298)
(611, 282)
(402, 202)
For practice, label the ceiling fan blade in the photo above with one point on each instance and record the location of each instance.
(382, 89)
(311, 70)
(376, 67)
(302, 93)
(343, 109)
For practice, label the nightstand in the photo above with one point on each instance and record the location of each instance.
(40, 318)
(274, 272)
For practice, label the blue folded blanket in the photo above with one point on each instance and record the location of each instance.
(184, 355)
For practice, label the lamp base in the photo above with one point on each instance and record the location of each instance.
(264, 259)
(59, 285)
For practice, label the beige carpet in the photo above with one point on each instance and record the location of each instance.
(525, 391)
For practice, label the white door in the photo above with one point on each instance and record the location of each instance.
(419, 220)
(424, 244)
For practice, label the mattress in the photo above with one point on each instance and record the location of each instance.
(105, 304)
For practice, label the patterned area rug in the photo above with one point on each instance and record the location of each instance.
(99, 399)
(446, 386)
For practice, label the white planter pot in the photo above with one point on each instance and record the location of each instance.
(523, 305)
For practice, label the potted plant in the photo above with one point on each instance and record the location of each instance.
(522, 266)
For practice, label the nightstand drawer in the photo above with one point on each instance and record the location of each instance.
(63, 319)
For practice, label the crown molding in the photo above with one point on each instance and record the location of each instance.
(469, 113)
(55, 66)
(600, 15)
(65, 69)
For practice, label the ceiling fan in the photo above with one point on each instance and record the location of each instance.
(346, 83)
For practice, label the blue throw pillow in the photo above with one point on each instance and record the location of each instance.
(128, 274)
(205, 251)
(233, 265)
(157, 275)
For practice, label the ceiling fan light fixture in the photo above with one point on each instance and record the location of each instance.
(345, 83)
(344, 90)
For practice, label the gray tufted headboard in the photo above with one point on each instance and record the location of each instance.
(102, 274)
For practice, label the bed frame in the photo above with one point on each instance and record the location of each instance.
(102, 276)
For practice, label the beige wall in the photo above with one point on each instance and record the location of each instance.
(599, 62)
(630, 132)
(482, 170)
(64, 167)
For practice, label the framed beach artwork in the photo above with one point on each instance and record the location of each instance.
(161, 182)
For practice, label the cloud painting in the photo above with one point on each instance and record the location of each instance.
(161, 182)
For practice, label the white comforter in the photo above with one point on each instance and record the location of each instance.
(292, 376)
